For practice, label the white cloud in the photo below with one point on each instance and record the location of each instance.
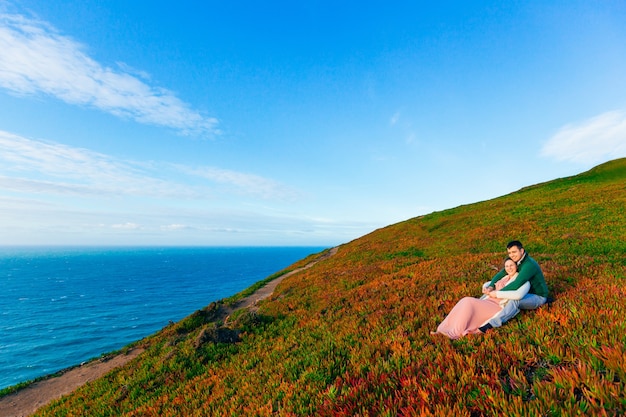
(394, 119)
(411, 138)
(594, 140)
(126, 226)
(32, 166)
(247, 183)
(173, 227)
(36, 59)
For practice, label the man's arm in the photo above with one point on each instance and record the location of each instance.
(501, 273)
(526, 271)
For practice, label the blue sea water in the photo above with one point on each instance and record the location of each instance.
(62, 306)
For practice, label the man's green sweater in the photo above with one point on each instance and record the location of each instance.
(529, 271)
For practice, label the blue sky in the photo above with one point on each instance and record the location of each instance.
(292, 123)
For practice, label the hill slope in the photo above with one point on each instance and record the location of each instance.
(350, 336)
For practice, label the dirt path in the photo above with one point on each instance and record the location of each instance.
(26, 401)
(267, 290)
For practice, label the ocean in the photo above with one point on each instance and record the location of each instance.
(63, 306)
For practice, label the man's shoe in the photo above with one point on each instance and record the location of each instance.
(484, 328)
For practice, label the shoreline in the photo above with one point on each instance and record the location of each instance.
(27, 400)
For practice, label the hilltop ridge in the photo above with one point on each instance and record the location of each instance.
(350, 335)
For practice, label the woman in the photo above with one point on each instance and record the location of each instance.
(471, 313)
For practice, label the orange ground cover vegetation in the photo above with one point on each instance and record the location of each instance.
(350, 336)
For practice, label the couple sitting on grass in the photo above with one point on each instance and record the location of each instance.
(519, 285)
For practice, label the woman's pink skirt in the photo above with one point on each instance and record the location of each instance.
(467, 315)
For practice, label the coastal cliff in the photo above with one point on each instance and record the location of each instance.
(349, 335)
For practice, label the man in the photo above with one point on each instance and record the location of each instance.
(529, 271)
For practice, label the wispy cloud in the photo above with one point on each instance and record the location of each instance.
(248, 183)
(36, 59)
(394, 119)
(173, 227)
(126, 226)
(34, 166)
(591, 141)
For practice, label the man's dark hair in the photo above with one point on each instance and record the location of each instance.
(515, 243)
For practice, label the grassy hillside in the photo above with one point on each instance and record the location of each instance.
(350, 336)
